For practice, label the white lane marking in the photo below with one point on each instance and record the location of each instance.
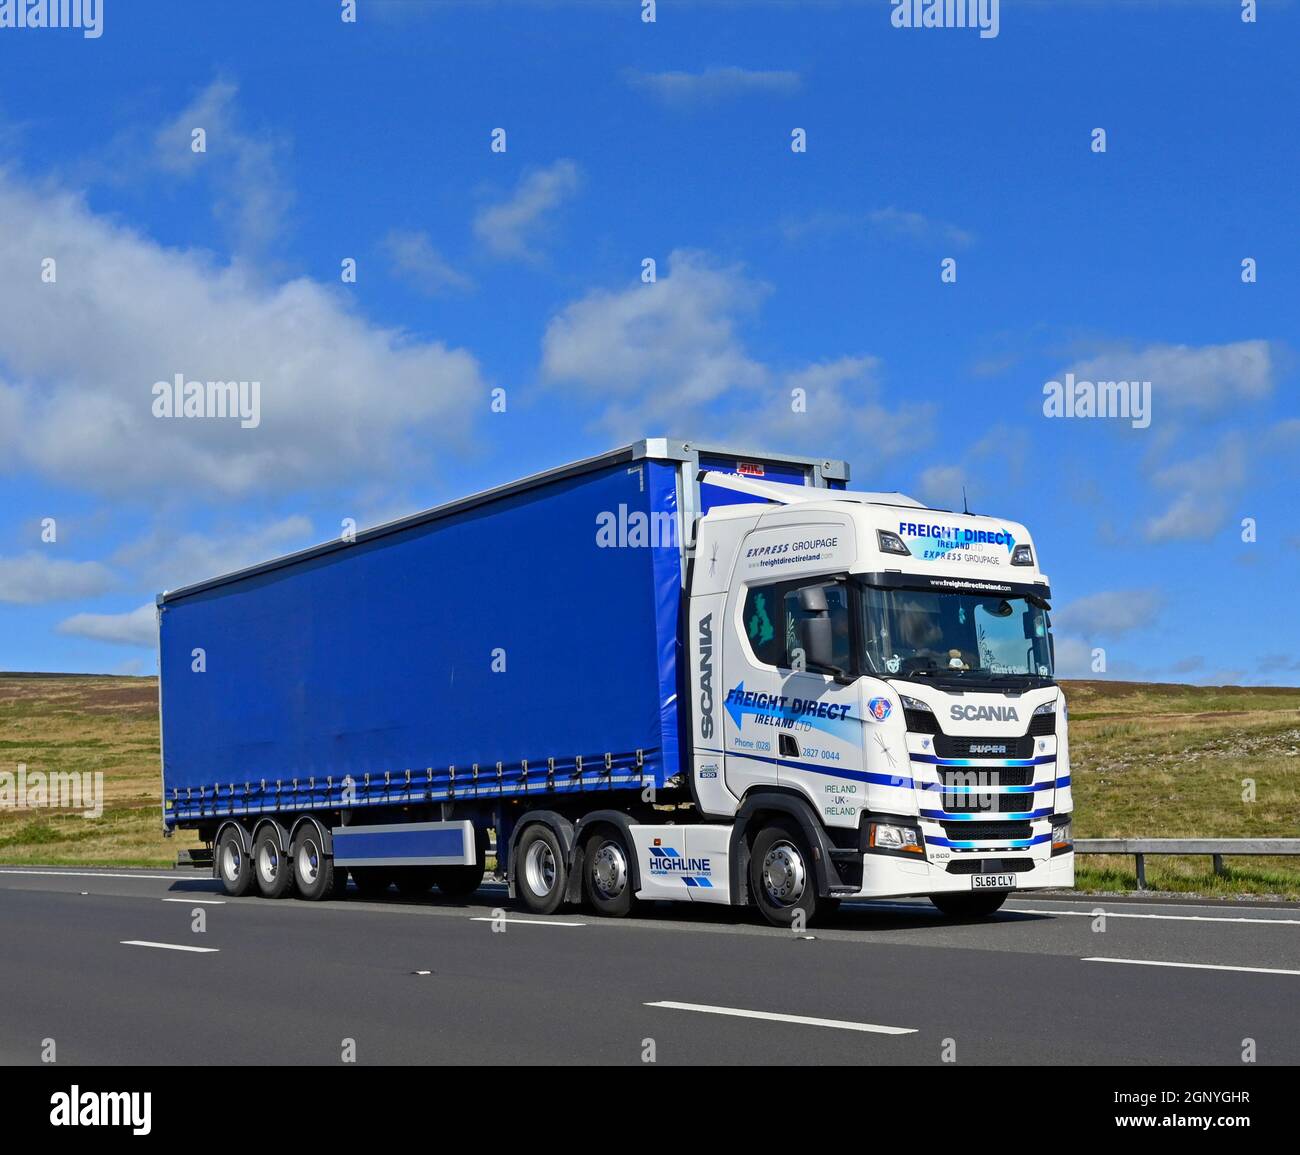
(100, 874)
(526, 921)
(170, 946)
(1160, 917)
(736, 1012)
(1146, 962)
(199, 901)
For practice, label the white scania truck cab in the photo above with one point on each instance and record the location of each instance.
(872, 689)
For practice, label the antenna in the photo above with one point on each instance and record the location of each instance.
(965, 507)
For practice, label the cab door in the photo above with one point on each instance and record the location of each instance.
(787, 720)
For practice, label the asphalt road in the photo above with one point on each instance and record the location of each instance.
(85, 960)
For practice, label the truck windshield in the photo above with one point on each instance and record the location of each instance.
(964, 637)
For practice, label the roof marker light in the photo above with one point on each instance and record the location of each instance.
(1022, 555)
(891, 542)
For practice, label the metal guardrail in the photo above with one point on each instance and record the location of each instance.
(1216, 848)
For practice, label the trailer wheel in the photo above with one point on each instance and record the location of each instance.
(781, 875)
(962, 905)
(372, 881)
(541, 876)
(313, 869)
(607, 874)
(272, 868)
(234, 867)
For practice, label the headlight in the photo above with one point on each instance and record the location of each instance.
(915, 704)
(887, 836)
(1062, 834)
(1046, 708)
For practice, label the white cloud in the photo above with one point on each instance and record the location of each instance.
(1108, 614)
(509, 228)
(1202, 377)
(36, 578)
(340, 397)
(893, 221)
(685, 88)
(649, 352)
(1202, 487)
(941, 485)
(166, 560)
(137, 628)
(242, 168)
(670, 355)
(416, 260)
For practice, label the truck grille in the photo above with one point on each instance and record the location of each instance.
(1042, 724)
(921, 722)
(986, 831)
(994, 803)
(1014, 746)
(990, 866)
(992, 778)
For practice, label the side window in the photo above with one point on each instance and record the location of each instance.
(764, 625)
(837, 609)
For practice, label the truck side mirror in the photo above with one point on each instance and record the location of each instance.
(812, 600)
(815, 640)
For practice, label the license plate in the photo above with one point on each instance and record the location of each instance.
(993, 881)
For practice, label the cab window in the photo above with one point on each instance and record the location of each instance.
(771, 614)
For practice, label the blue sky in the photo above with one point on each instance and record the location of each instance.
(521, 270)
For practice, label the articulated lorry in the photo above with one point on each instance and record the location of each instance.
(668, 672)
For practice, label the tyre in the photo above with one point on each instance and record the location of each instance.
(541, 876)
(234, 867)
(272, 868)
(313, 868)
(963, 905)
(781, 875)
(372, 881)
(414, 881)
(607, 873)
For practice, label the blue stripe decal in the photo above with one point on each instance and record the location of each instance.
(852, 775)
(400, 844)
(983, 763)
(984, 816)
(1063, 783)
(940, 788)
(985, 844)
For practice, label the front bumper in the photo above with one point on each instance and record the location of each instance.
(891, 876)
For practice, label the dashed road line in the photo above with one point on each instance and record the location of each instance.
(170, 946)
(772, 1016)
(1146, 962)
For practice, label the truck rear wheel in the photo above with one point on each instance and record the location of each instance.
(970, 905)
(541, 875)
(234, 867)
(607, 874)
(781, 875)
(313, 869)
(272, 868)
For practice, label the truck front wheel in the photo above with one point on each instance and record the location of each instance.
(234, 867)
(541, 876)
(972, 905)
(781, 876)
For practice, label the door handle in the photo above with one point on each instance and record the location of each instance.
(786, 746)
